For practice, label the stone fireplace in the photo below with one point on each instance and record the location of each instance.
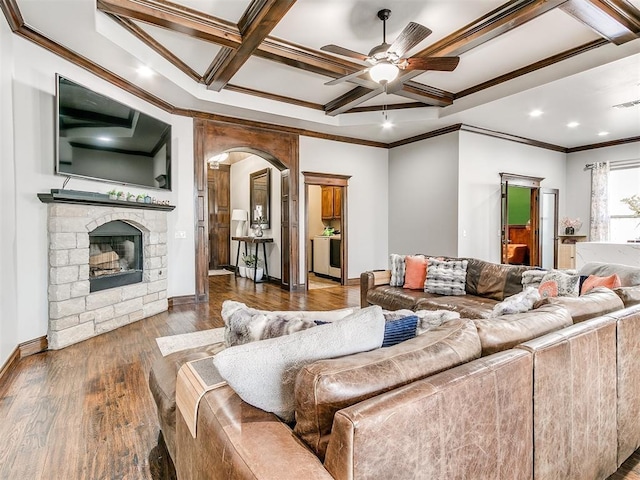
(107, 268)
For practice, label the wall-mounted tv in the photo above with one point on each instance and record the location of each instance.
(102, 139)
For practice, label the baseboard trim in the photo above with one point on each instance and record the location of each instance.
(353, 282)
(25, 349)
(31, 347)
(181, 300)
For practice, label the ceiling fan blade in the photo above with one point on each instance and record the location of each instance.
(444, 64)
(345, 52)
(347, 77)
(411, 36)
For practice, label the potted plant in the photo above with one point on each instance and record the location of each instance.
(141, 198)
(253, 267)
(121, 196)
(571, 225)
(131, 197)
(633, 202)
(113, 194)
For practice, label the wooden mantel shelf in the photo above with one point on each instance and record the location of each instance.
(91, 198)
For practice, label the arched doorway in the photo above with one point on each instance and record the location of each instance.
(212, 137)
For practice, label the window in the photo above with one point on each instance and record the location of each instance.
(623, 182)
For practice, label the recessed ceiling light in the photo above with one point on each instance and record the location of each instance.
(145, 71)
(573, 124)
(535, 113)
(602, 134)
(104, 139)
(387, 124)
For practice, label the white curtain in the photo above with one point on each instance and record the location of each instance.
(599, 226)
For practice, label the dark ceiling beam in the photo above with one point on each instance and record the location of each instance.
(350, 99)
(175, 17)
(616, 20)
(256, 23)
(138, 32)
(497, 22)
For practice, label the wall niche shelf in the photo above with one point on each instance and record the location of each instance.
(99, 199)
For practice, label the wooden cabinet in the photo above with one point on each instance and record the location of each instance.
(567, 250)
(331, 202)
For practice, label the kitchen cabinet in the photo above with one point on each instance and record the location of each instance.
(331, 202)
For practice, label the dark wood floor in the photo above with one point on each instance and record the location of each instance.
(85, 412)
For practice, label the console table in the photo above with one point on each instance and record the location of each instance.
(255, 241)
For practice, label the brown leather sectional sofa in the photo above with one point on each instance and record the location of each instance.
(468, 399)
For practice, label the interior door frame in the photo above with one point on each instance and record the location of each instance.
(533, 183)
(329, 180)
(556, 209)
(281, 149)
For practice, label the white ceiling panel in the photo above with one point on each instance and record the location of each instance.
(272, 77)
(196, 53)
(515, 49)
(229, 10)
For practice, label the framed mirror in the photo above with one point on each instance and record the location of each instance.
(260, 197)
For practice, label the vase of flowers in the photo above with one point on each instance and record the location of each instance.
(571, 225)
(633, 202)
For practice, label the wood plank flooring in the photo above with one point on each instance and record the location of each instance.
(85, 412)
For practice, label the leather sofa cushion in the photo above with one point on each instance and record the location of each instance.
(501, 333)
(574, 401)
(594, 303)
(473, 421)
(326, 386)
(629, 295)
(468, 306)
(493, 280)
(162, 383)
(396, 298)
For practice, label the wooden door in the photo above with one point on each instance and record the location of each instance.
(284, 225)
(219, 216)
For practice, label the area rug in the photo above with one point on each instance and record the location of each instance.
(220, 272)
(175, 343)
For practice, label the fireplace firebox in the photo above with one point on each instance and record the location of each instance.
(115, 256)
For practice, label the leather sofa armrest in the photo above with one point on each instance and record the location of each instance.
(238, 441)
(629, 295)
(473, 418)
(370, 279)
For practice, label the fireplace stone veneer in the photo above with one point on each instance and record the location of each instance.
(75, 313)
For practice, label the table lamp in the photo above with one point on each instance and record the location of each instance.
(241, 217)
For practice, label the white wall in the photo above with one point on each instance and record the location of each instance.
(423, 197)
(239, 182)
(367, 208)
(578, 197)
(482, 158)
(28, 102)
(9, 321)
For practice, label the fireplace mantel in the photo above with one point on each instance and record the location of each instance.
(90, 198)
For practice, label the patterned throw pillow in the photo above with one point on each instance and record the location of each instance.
(567, 284)
(415, 271)
(593, 281)
(397, 331)
(397, 270)
(548, 289)
(446, 277)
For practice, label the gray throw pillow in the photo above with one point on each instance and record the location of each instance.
(263, 373)
(446, 277)
(397, 270)
(518, 303)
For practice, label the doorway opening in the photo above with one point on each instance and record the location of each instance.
(528, 221)
(326, 248)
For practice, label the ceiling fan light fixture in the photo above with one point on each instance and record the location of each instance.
(383, 72)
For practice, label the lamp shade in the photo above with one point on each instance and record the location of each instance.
(239, 215)
(383, 72)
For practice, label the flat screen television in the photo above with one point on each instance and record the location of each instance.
(102, 139)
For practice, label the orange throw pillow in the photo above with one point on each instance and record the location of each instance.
(548, 289)
(415, 272)
(592, 281)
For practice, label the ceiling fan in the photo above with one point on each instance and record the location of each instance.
(387, 60)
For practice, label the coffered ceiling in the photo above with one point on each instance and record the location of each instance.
(261, 60)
